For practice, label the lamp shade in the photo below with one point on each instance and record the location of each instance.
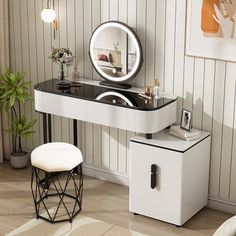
(48, 15)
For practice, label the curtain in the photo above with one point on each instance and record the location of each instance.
(5, 146)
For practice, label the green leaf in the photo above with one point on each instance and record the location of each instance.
(20, 90)
(12, 100)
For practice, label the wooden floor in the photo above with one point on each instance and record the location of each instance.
(101, 200)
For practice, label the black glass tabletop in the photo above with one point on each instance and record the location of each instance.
(105, 95)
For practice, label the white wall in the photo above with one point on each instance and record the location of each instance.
(204, 86)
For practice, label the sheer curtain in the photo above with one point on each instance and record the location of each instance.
(4, 63)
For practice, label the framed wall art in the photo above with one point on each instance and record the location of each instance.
(211, 29)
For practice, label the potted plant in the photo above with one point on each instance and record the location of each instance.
(13, 93)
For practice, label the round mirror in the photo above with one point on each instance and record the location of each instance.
(115, 52)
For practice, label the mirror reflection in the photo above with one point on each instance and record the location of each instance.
(114, 52)
(114, 98)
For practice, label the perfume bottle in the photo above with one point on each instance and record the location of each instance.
(156, 89)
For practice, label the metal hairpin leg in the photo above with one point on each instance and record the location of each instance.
(49, 128)
(65, 197)
(45, 129)
(75, 135)
(47, 137)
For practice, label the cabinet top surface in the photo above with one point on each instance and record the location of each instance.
(164, 140)
(123, 98)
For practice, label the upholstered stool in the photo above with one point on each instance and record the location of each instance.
(228, 228)
(57, 181)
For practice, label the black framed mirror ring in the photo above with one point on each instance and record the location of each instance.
(116, 53)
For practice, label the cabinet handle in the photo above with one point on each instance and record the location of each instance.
(153, 175)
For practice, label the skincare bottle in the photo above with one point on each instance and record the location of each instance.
(156, 89)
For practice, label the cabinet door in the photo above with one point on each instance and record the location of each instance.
(162, 202)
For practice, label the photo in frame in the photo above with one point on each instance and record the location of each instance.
(211, 29)
(186, 120)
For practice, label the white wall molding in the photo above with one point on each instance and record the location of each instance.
(222, 205)
(107, 175)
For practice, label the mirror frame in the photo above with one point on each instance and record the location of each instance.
(138, 47)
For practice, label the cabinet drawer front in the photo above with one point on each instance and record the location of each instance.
(162, 201)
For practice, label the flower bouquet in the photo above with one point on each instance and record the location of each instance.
(62, 56)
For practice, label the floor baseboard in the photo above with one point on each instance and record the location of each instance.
(222, 205)
(106, 175)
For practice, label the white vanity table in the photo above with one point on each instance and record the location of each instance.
(122, 107)
(90, 102)
(181, 170)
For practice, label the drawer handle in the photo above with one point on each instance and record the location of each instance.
(153, 176)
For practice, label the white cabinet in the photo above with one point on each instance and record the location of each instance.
(179, 187)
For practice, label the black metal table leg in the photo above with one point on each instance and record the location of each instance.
(49, 128)
(46, 133)
(75, 134)
(148, 136)
(45, 139)
(75, 137)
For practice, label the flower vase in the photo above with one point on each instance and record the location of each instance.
(62, 83)
(61, 71)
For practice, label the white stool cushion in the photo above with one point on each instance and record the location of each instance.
(228, 228)
(56, 156)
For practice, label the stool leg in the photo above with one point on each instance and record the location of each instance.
(81, 183)
(34, 191)
(46, 184)
(59, 190)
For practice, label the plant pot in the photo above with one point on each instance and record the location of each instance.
(19, 160)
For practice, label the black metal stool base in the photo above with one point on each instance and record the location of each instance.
(58, 197)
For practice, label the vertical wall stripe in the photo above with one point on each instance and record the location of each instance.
(170, 45)
(97, 129)
(198, 92)
(227, 133)
(188, 83)
(33, 61)
(56, 43)
(141, 31)
(113, 155)
(150, 41)
(179, 55)
(160, 41)
(209, 82)
(25, 59)
(217, 127)
(232, 189)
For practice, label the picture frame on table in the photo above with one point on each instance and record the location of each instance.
(186, 120)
